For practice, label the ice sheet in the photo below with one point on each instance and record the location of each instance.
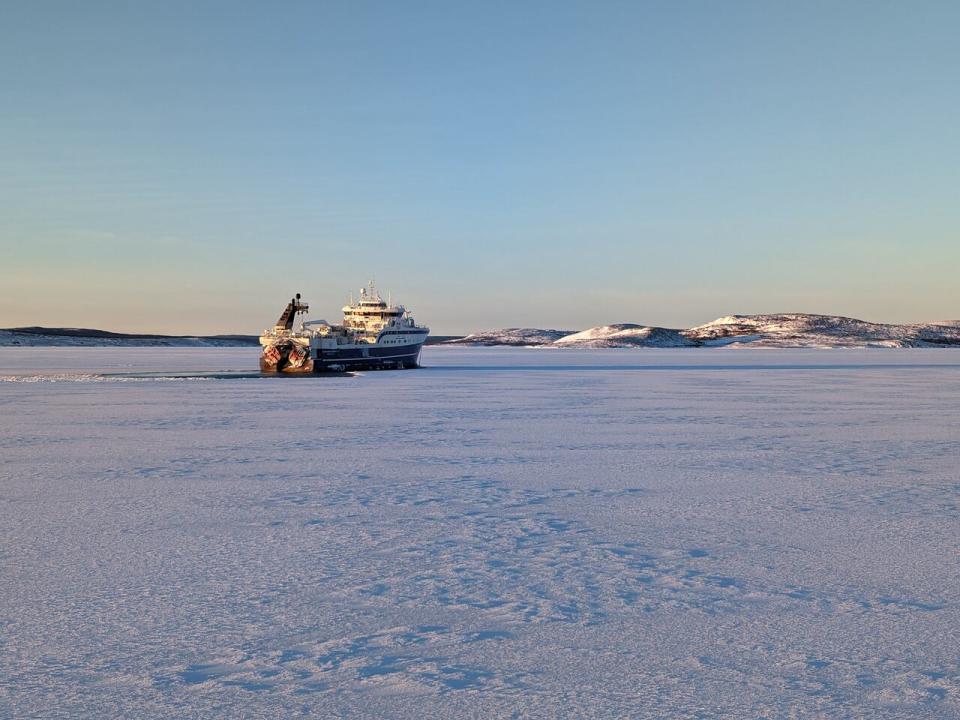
(530, 533)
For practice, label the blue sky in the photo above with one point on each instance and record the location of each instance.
(187, 166)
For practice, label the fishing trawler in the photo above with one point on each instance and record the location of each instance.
(375, 335)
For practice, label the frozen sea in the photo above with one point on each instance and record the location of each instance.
(502, 533)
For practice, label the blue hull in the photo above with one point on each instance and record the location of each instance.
(373, 358)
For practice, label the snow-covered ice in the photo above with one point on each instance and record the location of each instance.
(504, 533)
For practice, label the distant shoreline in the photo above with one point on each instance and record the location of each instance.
(36, 336)
(774, 330)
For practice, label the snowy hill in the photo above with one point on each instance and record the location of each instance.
(779, 330)
(804, 330)
(625, 335)
(512, 336)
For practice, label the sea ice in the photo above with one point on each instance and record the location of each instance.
(503, 533)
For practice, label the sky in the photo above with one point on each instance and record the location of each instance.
(185, 167)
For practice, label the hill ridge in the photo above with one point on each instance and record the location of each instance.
(759, 330)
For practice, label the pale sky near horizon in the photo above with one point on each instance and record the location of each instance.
(185, 167)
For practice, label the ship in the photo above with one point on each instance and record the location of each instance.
(375, 335)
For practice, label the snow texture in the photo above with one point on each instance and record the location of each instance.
(503, 533)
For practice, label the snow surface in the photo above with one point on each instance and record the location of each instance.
(504, 533)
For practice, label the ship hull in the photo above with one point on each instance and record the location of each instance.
(370, 357)
(346, 358)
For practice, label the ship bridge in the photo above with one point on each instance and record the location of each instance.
(371, 305)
